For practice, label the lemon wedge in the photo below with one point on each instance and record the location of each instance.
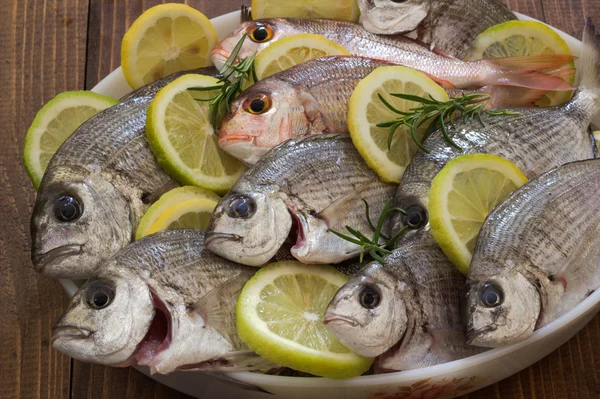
(331, 9)
(522, 38)
(182, 138)
(293, 50)
(462, 195)
(167, 38)
(280, 316)
(54, 123)
(366, 110)
(181, 208)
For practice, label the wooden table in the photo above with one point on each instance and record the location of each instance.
(49, 46)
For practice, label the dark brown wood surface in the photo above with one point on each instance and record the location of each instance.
(49, 46)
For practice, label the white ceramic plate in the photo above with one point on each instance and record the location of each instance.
(441, 381)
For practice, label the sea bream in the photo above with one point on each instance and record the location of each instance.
(97, 187)
(300, 189)
(406, 311)
(537, 256)
(536, 140)
(450, 26)
(312, 98)
(164, 302)
(447, 71)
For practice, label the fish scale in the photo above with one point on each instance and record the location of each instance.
(547, 232)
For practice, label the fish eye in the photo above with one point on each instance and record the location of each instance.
(99, 295)
(261, 33)
(67, 209)
(241, 207)
(369, 297)
(416, 217)
(491, 295)
(258, 104)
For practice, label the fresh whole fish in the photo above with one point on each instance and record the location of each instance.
(450, 26)
(300, 189)
(97, 187)
(447, 71)
(537, 256)
(312, 98)
(163, 302)
(407, 311)
(536, 140)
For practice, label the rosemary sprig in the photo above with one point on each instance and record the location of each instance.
(230, 85)
(440, 113)
(372, 245)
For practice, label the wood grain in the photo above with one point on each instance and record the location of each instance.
(49, 46)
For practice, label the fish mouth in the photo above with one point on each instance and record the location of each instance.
(158, 338)
(220, 56)
(69, 333)
(216, 237)
(331, 318)
(41, 261)
(473, 335)
(297, 231)
(235, 138)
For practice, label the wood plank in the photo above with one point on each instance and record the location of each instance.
(570, 15)
(43, 45)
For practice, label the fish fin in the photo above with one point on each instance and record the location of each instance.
(566, 74)
(150, 198)
(336, 211)
(530, 79)
(211, 308)
(530, 62)
(319, 122)
(512, 96)
(590, 60)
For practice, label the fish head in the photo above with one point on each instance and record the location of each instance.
(392, 16)
(259, 35)
(78, 221)
(501, 309)
(106, 319)
(248, 226)
(263, 116)
(368, 314)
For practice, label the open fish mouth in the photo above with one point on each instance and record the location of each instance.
(41, 261)
(69, 333)
(158, 338)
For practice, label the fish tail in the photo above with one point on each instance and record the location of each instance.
(527, 72)
(590, 60)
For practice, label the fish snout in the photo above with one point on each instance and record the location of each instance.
(219, 56)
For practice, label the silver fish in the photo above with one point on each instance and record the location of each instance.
(407, 311)
(301, 188)
(164, 302)
(97, 187)
(312, 98)
(537, 256)
(447, 71)
(536, 140)
(450, 26)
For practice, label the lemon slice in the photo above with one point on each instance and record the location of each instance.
(280, 316)
(166, 39)
(293, 50)
(366, 110)
(182, 138)
(54, 123)
(181, 208)
(463, 193)
(521, 38)
(331, 9)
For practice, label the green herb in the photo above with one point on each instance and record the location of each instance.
(230, 85)
(372, 245)
(440, 113)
